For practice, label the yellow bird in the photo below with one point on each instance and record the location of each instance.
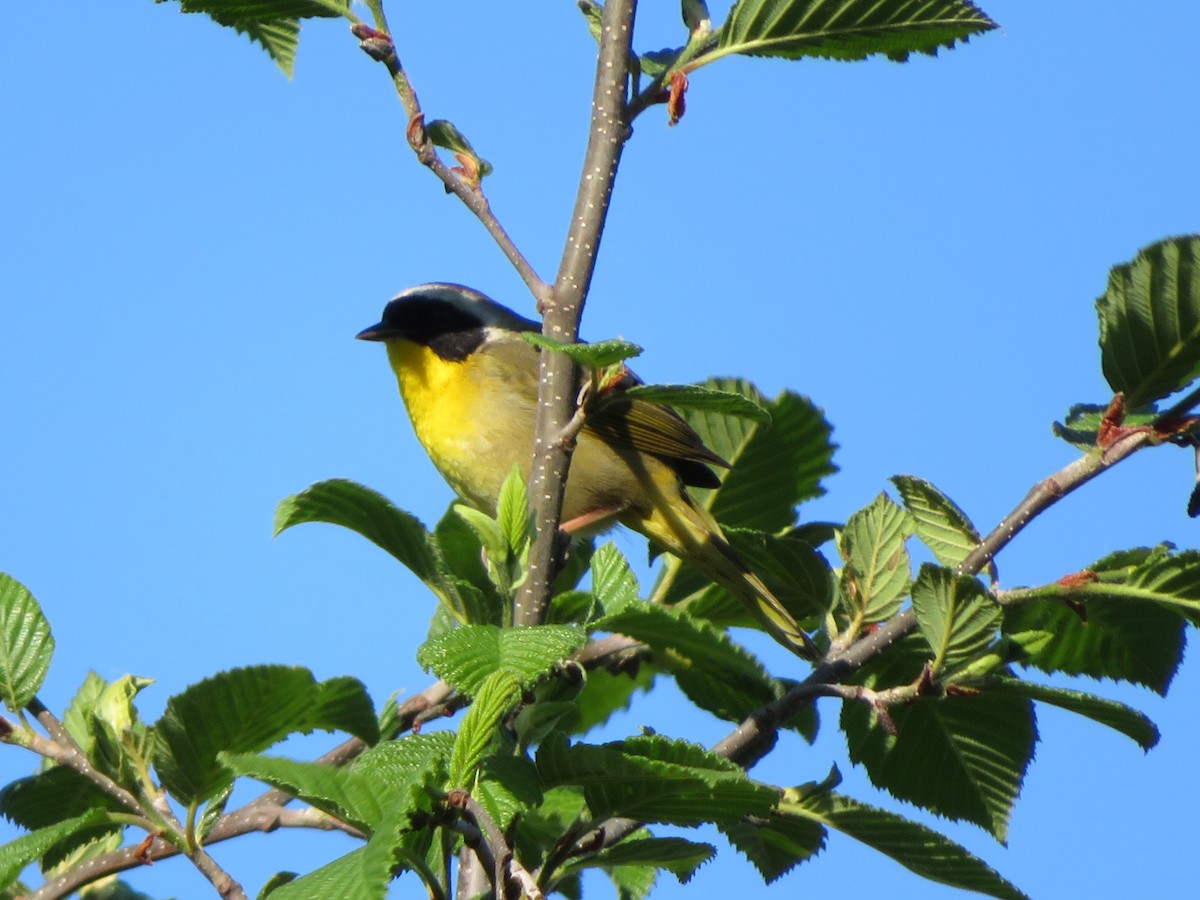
(469, 383)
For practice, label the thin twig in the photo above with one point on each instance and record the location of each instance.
(562, 310)
(379, 45)
(70, 755)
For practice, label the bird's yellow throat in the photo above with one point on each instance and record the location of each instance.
(443, 404)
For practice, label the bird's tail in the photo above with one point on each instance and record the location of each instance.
(691, 533)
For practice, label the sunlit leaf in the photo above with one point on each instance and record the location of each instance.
(498, 694)
(957, 617)
(26, 644)
(591, 356)
(699, 397)
(1150, 321)
(15, 855)
(847, 29)
(654, 779)
(446, 134)
(466, 656)
(273, 24)
(878, 570)
(247, 710)
(775, 467)
(940, 523)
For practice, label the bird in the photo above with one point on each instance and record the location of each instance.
(469, 382)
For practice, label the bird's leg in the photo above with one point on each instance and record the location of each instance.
(593, 521)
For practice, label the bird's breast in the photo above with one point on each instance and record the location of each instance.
(474, 422)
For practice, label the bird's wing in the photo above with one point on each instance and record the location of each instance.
(657, 430)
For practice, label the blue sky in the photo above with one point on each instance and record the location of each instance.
(189, 242)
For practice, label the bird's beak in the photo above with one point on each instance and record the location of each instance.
(379, 332)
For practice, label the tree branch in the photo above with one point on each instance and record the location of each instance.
(562, 310)
(492, 849)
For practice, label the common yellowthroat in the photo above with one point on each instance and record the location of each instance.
(470, 382)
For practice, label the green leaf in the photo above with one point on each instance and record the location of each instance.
(122, 739)
(846, 29)
(1125, 719)
(507, 787)
(1150, 321)
(498, 694)
(1082, 422)
(347, 878)
(798, 575)
(678, 856)
(919, 849)
(78, 719)
(590, 356)
(466, 656)
(878, 570)
(775, 844)
(324, 787)
(391, 777)
(940, 523)
(1168, 581)
(774, 468)
(16, 855)
(26, 644)
(1127, 623)
(613, 582)
(487, 531)
(461, 550)
(654, 779)
(630, 882)
(446, 134)
(339, 501)
(461, 554)
(957, 617)
(715, 673)
(699, 397)
(543, 825)
(1135, 642)
(505, 543)
(961, 757)
(52, 796)
(594, 14)
(273, 24)
(278, 880)
(513, 514)
(247, 710)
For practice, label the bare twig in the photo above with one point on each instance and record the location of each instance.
(378, 44)
(562, 310)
